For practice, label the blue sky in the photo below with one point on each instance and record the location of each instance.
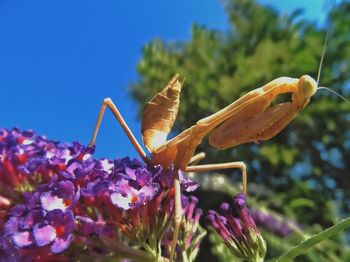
(60, 59)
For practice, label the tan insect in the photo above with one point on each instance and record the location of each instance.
(251, 118)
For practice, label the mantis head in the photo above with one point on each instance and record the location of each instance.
(307, 87)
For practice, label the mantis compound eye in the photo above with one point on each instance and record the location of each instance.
(307, 86)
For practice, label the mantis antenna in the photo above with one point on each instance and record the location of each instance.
(339, 95)
(333, 3)
(321, 63)
(322, 56)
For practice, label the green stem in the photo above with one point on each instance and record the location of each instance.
(184, 255)
(258, 260)
(150, 250)
(122, 250)
(137, 255)
(305, 245)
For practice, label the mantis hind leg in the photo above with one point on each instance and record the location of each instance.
(229, 165)
(177, 214)
(108, 102)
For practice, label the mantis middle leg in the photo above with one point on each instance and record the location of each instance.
(196, 158)
(212, 167)
(177, 192)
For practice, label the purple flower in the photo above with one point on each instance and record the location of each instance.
(240, 235)
(273, 224)
(26, 159)
(19, 147)
(127, 194)
(239, 202)
(90, 227)
(56, 230)
(46, 218)
(166, 179)
(60, 196)
(191, 233)
(33, 165)
(127, 184)
(8, 251)
(33, 154)
(22, 239)
(35, 229)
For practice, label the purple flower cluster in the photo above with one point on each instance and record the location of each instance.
(46, 218)
(240, 235)
(190, 226)
(128, 194)
(24, 154)
(276, 226)
(124, 183)
(15, 149)
(57, 196)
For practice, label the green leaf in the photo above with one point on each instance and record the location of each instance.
(301, 202)
(312, 241)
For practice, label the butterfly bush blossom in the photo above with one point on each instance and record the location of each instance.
(239, 234)
(57, 200)
(277, 226)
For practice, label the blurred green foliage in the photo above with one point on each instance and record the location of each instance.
(306, 167)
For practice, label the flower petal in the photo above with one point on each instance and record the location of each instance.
(62, 221)
(51, 202)
(18, 210)
(33, 217)
(43, 234)
(11, 226)
(66, 189)
(22, 239)
(60, 244)
(148, 192)
(121, 201)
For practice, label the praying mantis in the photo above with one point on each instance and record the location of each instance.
(251, 118)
